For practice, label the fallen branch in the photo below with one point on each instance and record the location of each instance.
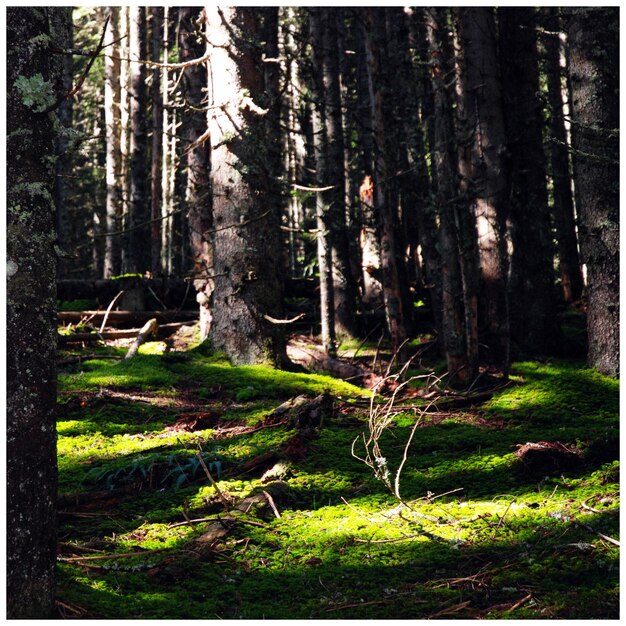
(452, 609)
(164, 330)
(615, 542)
(148, 329)
(105, 557)
(217, 489)
(132, 317)
(271, 503)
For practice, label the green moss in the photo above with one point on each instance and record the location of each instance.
(340, 549)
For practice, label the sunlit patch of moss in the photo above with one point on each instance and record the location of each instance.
(340, 548)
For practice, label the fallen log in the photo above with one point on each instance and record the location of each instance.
(163, 331)
(313, 359)
(317, 361)
(174, 292)
(128, 317)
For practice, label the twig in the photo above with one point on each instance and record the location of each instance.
(615, 542)
(356, 510)
(271, 503)
(199, 520)
(313, 189)
(104, 557)
(273, 320)
(206, 471)
(501, 521)
(451, 609)
(72, 92)
(403, 538)
(106, 314)
(519, 603)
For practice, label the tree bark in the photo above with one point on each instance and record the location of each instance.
(488, 174)
(323, 199)
(594, 70)
(385, 182)
(246, 236)
(198, 191)
(156, 16)
(33, 81)
(563, 203)
(344, 287)
(138, 233)
(63, 151)
(532, 315)
(112, 129)
(458, 302)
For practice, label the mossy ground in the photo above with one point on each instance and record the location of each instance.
(504, 543)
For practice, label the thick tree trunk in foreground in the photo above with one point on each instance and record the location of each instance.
(594, 71)
(248, 266)
(33, 79)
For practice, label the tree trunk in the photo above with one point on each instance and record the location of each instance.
(344, 287)
(125, 132)
(488, 174)
(563, 203)
(323, 199)
(458, 303)
(198, 191)
(64, 150)
(246, 238)
(156, 16)
(594, 71)
(113, 161)
(138, 233)
(33, 85)
(385, 183)
(372, 292)
(532, 320)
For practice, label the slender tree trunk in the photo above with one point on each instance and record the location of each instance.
(489, 174)
(344, 287)
(323, 199)
(594, 70)
(427, 213)
(138, 235)
(34, 84)
(533, 324)
(112, 129)
(563, 203)
(372, 297)
(156, 15)
(294, 149)
(198, 192)
(246, 238)
(125, 132)
(385, 183)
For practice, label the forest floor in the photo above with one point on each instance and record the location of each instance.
(185, 494)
